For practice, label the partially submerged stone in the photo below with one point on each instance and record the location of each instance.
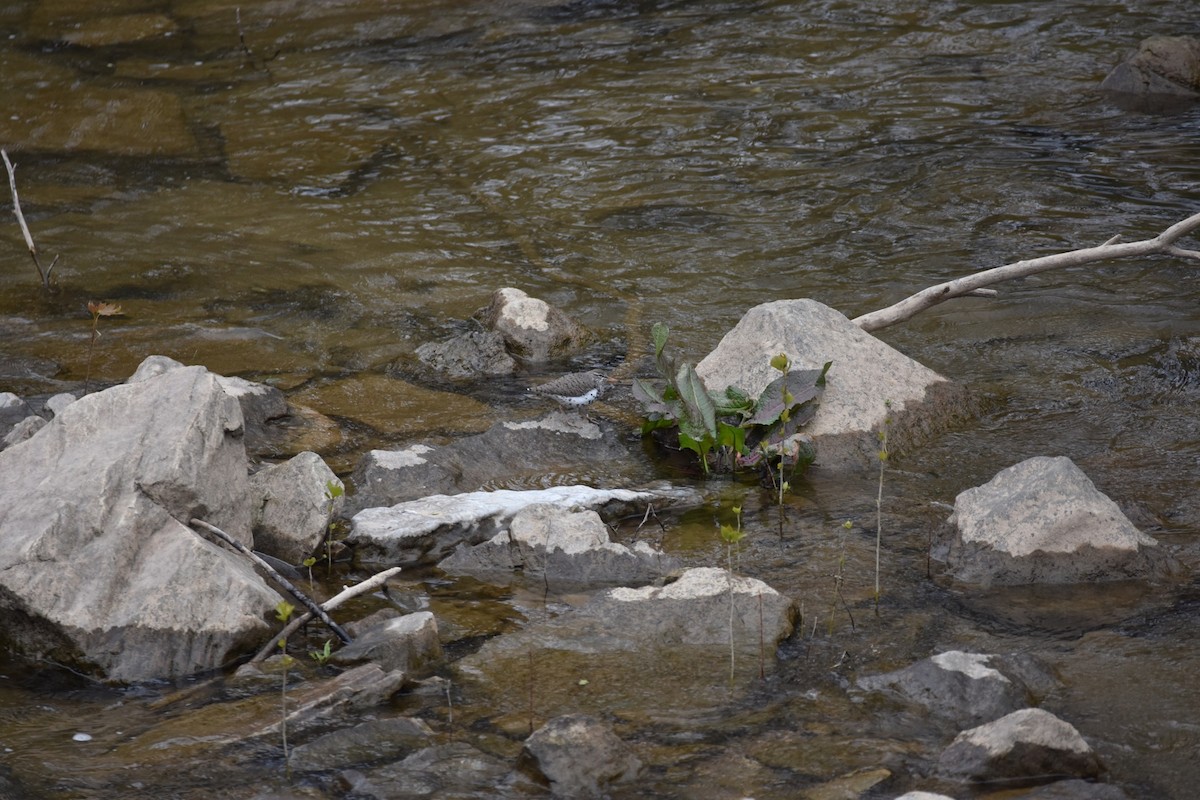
(580, 756)
(968, 688)
(472, 354)
(532, 328)
(1044, 521)
(870, 384)
(409, 643)
(427, 530)
(507, 450)
(1163, 74)
(563, 547)
(1026, 744)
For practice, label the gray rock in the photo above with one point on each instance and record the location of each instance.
(1044, 521)
(580, 756)
(505, 451)
(1030, 743)
(23, 430)
(694, 610)
(449, 770)
(292, 507)
(425, 531)
(55, 405)
(1074, 790)
(563, 547)
(374, 740)
(96, 562)
(12, 410)
(532, 329)
(259, 402)
(868, 383)
(968, 688)
(312, 706)
(923, 796)
(409, 643)
(469, 355)
(1162, 65)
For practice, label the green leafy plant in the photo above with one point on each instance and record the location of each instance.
(322, 656)
(283, 613)
(731, 421)
(839, 580)
(333, 490)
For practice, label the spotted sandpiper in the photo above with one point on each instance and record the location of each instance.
(574, 389)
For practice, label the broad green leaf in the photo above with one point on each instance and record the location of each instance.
(659, 333)
(731, 436)
(699, 407)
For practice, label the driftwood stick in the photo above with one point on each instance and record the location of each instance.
(350, 592)
(304, 599)
(906, 309)
(44, 274)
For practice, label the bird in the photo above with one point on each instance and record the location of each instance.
(574, 389)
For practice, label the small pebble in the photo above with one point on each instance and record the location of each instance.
(82, 737)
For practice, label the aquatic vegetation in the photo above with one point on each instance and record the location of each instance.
(283, 613)
(729, 426)
(97, 309)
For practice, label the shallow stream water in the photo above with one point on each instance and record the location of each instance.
(302, 193)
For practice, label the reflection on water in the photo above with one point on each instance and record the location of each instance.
(318, 190)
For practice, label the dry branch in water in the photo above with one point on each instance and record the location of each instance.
(348, 593)
(12, 184)
(304, 599)
(1163, 244)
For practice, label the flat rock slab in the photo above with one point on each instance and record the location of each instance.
(427, 530)
(1044, 521)
(869, 382)
(507, 450)
(563, 548)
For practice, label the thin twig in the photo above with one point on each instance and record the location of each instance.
(348, 593)
(275, 576)
(44, 274)
(908, 308)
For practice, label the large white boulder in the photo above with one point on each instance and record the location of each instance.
(97, 564)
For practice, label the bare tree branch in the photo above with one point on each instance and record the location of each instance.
(304, 599)
(12, 184)
(906, 309)
(350, 592)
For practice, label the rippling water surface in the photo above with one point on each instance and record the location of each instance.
(322, 190)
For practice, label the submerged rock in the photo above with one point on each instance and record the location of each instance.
(1044, 521)
(580, 756)
(373, 740)
(449, 770)
(1030, 744)
(566, 547)
(97, 564)
(869, 385)
(468, 355)
(968, 688)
